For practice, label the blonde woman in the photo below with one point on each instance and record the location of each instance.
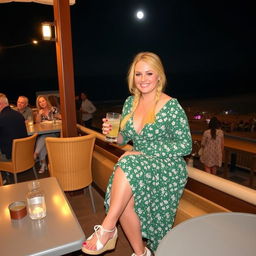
(45, 109)
(45, 112)
(146, 185)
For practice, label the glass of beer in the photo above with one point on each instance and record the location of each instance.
(114, 120)
(30, 121)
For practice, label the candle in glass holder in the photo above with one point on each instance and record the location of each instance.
(36, 201)
(36, 212)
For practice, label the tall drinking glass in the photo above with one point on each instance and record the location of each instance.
(114, 120)
(30, 121)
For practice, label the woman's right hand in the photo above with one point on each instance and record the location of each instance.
(106, 127)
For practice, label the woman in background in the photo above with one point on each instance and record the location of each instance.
(212, 146)
(46, 112)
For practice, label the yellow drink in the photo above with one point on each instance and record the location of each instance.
(30, 123)
(114, 120)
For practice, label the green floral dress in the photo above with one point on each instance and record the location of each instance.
(158, 175)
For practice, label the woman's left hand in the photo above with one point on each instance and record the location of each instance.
(128, 153)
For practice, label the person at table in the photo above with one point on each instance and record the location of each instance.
(144, 191)
(55, 101)
(46, 112)
(212, 144)
(87, 108)
(12, 126)
(23, 108)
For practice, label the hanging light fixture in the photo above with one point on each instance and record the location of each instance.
(48, 31)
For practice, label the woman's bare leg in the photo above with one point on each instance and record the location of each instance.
(121, 194)
(131, 225)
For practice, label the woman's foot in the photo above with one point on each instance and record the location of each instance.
(100, 241)
(43, 167)
(147, 252)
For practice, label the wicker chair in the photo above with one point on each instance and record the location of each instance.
(70, 161)
(22, 156)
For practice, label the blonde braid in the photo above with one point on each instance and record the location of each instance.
(134, 106)
(151, 116)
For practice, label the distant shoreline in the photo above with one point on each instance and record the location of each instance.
(239, 104)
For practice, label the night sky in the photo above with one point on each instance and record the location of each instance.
(207, 47)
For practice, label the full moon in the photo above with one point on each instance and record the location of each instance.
(140, 15)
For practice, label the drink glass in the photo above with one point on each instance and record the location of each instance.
(30, 121)
(54, 118)
(114, 120)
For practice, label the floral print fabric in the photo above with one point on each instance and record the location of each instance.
(50, 115)
(158, 175)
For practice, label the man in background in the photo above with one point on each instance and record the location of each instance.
(87, 109)
(23, 108)
(12, 126)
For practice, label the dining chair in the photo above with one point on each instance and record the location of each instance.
(70, 161)
(22, 157)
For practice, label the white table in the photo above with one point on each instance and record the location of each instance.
(217, 234)
(56, 234)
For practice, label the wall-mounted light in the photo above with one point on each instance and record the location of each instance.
(48, 31)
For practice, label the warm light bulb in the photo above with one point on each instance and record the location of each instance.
(47, 32)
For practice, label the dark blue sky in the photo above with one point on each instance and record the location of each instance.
(207, 47)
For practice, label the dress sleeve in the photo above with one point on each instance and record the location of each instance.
(180, 143)
(125, 111)
(55, 110)
(91, 108)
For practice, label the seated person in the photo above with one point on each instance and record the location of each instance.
(45, 112)
(87, 109)
(12, 126)
(54, 100)
(23, 108)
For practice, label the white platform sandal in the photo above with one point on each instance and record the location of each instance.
(147, 252)
(100, 248)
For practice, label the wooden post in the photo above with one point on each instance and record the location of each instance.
(65, 67)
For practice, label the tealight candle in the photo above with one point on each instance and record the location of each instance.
(18, 210)
(37, 210)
